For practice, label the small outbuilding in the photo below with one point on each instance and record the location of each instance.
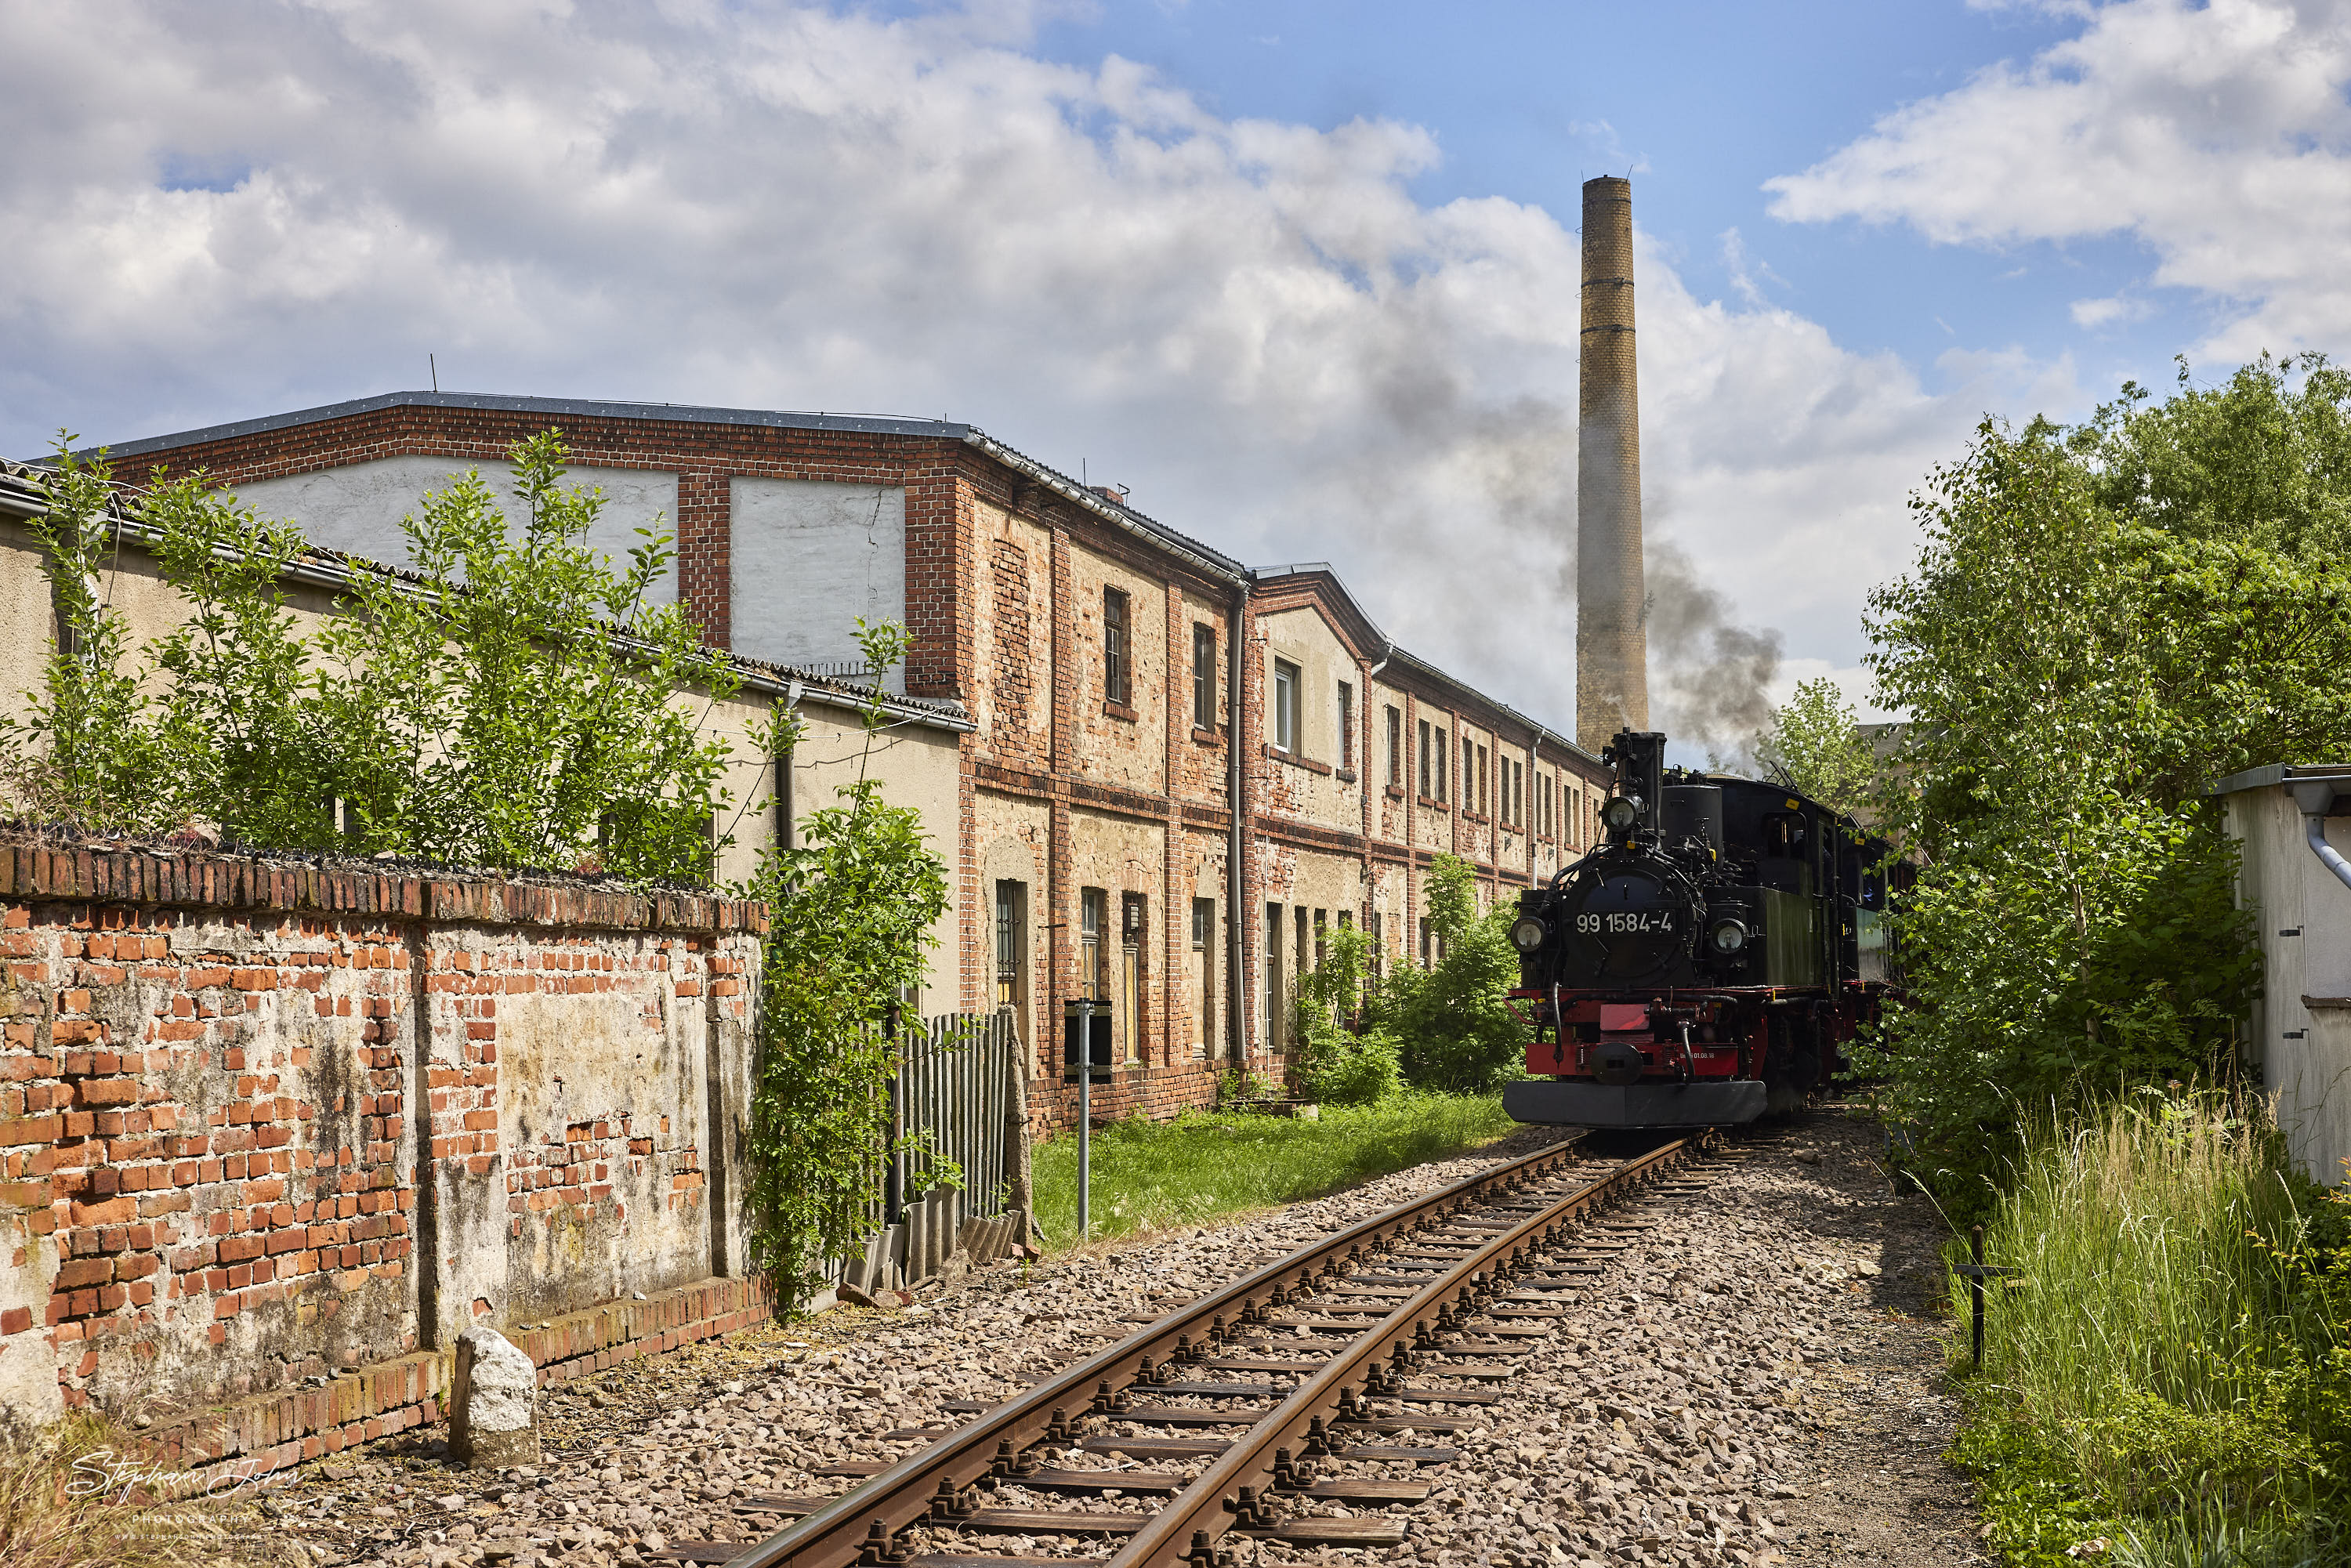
(2293, 823)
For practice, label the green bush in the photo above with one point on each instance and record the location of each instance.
(1451, 1022)
(1338, 1065)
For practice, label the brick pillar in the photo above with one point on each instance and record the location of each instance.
(941, 522)
(704, 513)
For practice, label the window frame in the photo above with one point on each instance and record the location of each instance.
(1011, 948)
(1118, 661)
(1204, 676)
(1287, 680)
(1396, 747)
(1424, 761)
(1094, 914)
(1346, 724)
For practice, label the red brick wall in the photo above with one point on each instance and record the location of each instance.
(215, 1074)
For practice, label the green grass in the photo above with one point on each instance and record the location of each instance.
(2170, 1374)
(1155, 1175)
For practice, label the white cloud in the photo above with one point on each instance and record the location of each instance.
(1253, 324)
(2218, 135)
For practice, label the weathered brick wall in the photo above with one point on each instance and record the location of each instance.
(265, 1121)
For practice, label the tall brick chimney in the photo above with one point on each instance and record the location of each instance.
(1612, 641)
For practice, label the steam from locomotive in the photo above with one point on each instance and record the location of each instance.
(1706, 963)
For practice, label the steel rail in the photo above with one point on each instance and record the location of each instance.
(1183, 1531)
(902, 1495)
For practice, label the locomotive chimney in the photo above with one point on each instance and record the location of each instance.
(1611, 642)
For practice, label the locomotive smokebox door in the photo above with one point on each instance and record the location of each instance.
(1079, 1033)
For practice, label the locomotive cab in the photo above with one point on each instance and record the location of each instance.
(1704, 965)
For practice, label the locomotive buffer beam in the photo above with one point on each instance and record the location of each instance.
(1704, 1103)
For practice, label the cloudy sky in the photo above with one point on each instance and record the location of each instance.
(1303, 273)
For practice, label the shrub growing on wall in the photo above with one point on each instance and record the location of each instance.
(849, 913)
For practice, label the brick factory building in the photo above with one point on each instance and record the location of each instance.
(1090, 647)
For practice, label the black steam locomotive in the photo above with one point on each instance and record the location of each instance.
(1706, 963)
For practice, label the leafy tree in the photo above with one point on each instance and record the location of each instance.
(1452, 1019)
(1814, 744)
(1343, 1064)
(2101, 621)
(849, 912)
(246, 749)
(89, 750)
(523, 710)
(518, 705)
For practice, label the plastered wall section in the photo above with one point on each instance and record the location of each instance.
(357, 507)
(2301, 1029)
(808, 559)
(261, 1121)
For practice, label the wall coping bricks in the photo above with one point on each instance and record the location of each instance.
(38, 866)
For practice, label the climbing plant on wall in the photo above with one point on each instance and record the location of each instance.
(851, 906)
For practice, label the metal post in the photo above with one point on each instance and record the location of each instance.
(1975, 1291)
(1085, 1114)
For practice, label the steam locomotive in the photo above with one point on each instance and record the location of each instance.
(1706, 964)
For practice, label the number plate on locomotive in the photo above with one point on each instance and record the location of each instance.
(1645, 922)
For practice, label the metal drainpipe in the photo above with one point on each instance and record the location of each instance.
(1236, 883)
(2316, 797)
(786, 832)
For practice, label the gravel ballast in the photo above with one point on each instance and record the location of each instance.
(1734, 1389)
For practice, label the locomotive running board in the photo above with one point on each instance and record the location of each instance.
(1717, 1102)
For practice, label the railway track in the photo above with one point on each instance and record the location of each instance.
(1272, 1392)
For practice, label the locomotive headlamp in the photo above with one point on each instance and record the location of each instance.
(1726, 936)
(1527, 934)
(1621, 813)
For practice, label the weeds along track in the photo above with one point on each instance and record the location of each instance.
(1258, 1409)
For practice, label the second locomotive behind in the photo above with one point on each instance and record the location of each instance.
(1706, 963)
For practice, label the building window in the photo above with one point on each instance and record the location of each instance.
(1376, 958)
(1444, 763)
(1204, 676)
(1518, 793)
(1275, 1035)
(1485, 783)
(1114, 647)
(1425, 794)
(1285, 705)
(1301, 965)
(1093, 912)
(1134, 981)
(1011, 943)
(1396, 747)
(1203, 949)
(1346, 725)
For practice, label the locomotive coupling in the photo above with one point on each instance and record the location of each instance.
(1617, 1062)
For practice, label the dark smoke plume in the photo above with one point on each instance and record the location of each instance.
(1708, 677)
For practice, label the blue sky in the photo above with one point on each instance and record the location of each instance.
(1300, 274)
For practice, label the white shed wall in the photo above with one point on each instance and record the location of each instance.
(2302, 1026)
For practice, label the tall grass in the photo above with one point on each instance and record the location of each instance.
(1155, 1176)
(77, 1495)
(2172, 1342)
